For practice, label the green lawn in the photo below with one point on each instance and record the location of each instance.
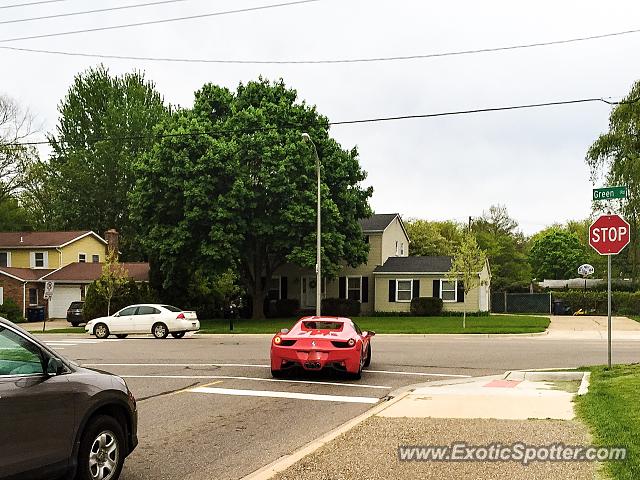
(611, 410)
(492, 324)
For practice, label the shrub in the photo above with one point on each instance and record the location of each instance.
(426, 306)
(286, 307)
(340, 307)
(11, 311)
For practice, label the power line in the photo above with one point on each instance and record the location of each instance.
(316, 62)
(86, 12)
(351, 122)
(31, 3)
(165, 20)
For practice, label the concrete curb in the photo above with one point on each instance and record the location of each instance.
(286, 461)
(414, 335)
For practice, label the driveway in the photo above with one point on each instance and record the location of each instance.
(593, 327)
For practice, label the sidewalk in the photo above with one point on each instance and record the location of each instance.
(514, 407)
(51, 325)
(593, 327)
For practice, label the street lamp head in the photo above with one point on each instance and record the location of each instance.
(306, 137)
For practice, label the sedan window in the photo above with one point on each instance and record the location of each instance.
(17, 355)
(125, 312)
(146, 310)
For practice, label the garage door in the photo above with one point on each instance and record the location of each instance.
(62, 298)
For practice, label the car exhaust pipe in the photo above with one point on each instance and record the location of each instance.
(312, 365)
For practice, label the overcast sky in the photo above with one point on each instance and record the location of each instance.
(439, 168)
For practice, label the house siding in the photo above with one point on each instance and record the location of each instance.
(470, 304)
(21, 258)
(394, 233)
(12, 289)
(89, 245)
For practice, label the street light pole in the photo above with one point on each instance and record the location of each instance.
(307, 138)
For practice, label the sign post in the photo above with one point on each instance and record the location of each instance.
(608, 235)
(48, 293)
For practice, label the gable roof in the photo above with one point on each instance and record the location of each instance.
(88, 272)
(415, 265)
(43, 239)
(24, 274)
(377, 222)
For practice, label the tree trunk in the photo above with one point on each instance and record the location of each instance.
(464, 313)
(108, 306)
(258, 300)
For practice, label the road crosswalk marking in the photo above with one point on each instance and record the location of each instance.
(291, 395)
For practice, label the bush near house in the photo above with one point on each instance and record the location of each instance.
(11, 311)
(622, 303)
(340, 307)
(426, 306)
(95, 305)
(286, 307)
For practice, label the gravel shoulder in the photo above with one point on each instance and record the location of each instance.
(370, 450)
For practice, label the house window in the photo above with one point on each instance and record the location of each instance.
(354, 288)
(5, 259)
(40, 259)
(448, 290)
(95, 258)
(83, 291)
(82, 258)
(366, 239)
(402, 249)
(404, 290)
(396, 248)
(33, 296)
(273, 289)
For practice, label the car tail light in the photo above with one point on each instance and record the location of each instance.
(180, 316)
(277, 340)
(351, 342)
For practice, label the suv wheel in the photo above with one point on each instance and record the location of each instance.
(102, 450)
(101, 330)
(160, 330)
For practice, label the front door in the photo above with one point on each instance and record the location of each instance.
(308, 295)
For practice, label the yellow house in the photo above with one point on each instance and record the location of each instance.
(71, 260)
(390, 278)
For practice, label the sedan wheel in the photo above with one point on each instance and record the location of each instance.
(122, 335)
(101, 331)
(160, 330)
(178, 334)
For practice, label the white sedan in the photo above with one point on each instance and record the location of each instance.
(159, 320)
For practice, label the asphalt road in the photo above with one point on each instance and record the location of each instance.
(241, 419)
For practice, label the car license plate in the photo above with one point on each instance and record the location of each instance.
(193, 324)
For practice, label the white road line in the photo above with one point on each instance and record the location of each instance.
(60, 344)
(228, 377)
(274, 394)
(389, 372)
(173, 365)
(419, 374)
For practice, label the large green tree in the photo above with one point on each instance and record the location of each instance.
(506, 247)
(615, 158)
(556, 254)
(433, 237)
(104, 128)
(244, 193)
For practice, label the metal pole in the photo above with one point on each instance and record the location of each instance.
(609, 310)
(318, 265)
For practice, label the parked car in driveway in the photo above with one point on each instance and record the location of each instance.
(58, 419)
(74, 313)
(315, 343)
(157, 319)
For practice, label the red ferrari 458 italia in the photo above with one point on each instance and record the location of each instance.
(315, 343)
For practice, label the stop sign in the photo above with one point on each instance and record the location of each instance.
(609, 234)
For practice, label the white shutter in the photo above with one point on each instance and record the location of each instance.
(1, 295)
(45, 256)
(32, 259)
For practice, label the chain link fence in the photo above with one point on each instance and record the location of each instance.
(503, 302)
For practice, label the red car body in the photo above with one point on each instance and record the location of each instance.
(315, 343)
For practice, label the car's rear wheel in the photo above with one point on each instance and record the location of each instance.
(74, 324)
(277, 373)
(102, 450)
(122, 335)
(178, 334)
(101, 331)
(367, 361)
(160, 330)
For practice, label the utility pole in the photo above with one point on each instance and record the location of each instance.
(307, 138)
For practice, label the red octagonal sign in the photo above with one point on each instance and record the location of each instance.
(609, 234)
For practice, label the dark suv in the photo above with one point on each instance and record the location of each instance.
(58, 419)
(74, 313)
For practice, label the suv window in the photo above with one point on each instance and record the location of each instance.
(146, 310)
(76, 305)
(18, 356)
(127, 311)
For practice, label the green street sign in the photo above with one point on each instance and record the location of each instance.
(609, 193)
